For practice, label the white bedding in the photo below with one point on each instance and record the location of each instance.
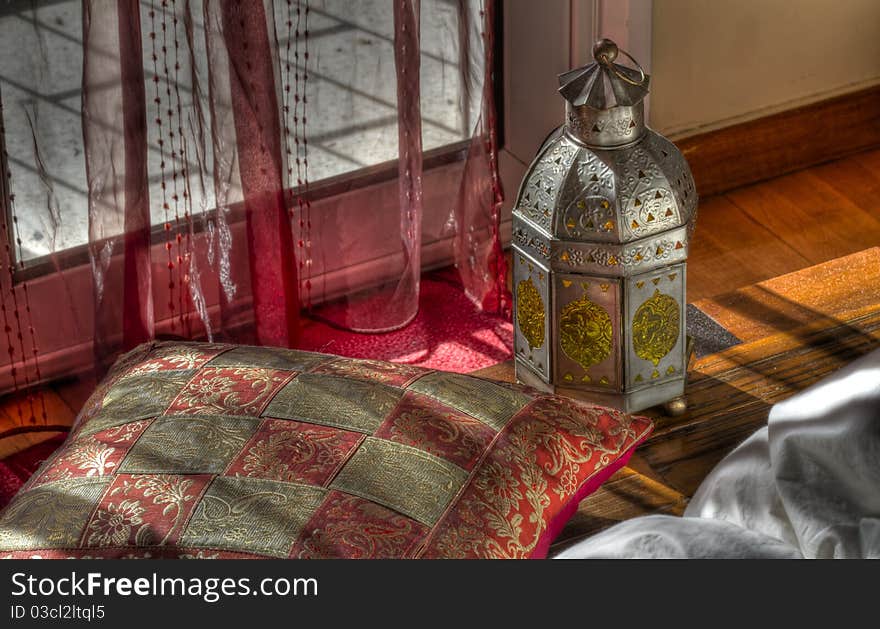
(805, 485)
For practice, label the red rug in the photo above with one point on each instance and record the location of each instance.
(16, 469)
(448, 333)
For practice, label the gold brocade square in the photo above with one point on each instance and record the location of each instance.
(189, 444)
(334, 401)
(138, 397)
(492, 404)
(268, 357)
(52, 515)
(402, 478)
(251, 515)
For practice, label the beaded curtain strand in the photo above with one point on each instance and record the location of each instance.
(157, 100)
(184, 236)
(294, 102)
(305, 160)
(13, 329)
(174, 140)
(286, 97)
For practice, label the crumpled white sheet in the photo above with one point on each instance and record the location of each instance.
(805, 485)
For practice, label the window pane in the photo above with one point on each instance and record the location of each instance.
(40, 78)
(350, 105)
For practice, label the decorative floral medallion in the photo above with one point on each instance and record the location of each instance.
(585, 332)
(655, 327)
(530, 313)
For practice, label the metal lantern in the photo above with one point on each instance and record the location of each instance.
(600, 241)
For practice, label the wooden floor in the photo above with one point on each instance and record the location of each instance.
(743, 237)
(785, 224)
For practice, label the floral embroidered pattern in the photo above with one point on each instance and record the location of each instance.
(348, 526)
(229, 390)
(144, 510)
(427, 424)
(296, 452)
(93, 455)
(548, 452)
(372, 371)
(112, 525)
(176, 356)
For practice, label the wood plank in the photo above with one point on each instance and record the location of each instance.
(774, 145)
(870, 160)
(17, 443)
(730, 393)
(722, 253)
(502, 372)
(835, 291)
(857, 178)
(810, 216)
(75, 391)
(18, 435)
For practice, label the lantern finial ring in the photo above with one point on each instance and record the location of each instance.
(605, 52)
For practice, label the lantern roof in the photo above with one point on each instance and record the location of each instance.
(604, 84)
(577, 193)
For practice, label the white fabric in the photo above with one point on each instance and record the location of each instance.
(805, 485)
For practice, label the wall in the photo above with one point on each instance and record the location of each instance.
(717, 63)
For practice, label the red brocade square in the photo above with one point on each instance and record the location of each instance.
(348, 526)
(229, 391)
(177, 356)
(423, 422)
(144, 510)
(297, 452)
(93, 455)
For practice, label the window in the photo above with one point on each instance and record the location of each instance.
(350, 105)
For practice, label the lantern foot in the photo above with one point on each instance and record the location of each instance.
(676, 406)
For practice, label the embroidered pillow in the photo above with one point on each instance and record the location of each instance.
(205, 450)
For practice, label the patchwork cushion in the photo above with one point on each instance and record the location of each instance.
(207, 450)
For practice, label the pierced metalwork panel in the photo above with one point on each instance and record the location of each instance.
(605, 127)
(678, 173)
(587, 347)
(532, 313)
(625, 259)
(537, 197)
(532, 242)
(647, 203)
(586, 207)
(655, 309)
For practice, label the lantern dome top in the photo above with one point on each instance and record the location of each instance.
(604, 84)
(578, 193)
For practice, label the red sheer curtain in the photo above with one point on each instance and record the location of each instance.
(248, 171)
(477, 212)
(203, 123)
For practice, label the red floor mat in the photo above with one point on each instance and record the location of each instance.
(16, 469)
(448, 333)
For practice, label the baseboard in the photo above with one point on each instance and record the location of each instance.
(781, 143)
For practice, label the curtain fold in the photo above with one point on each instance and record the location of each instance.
(114, 136)
(252, 81)
(393, 301)
(477, 212)
(241, 162)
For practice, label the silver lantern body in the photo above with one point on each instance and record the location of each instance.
(600, 242)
